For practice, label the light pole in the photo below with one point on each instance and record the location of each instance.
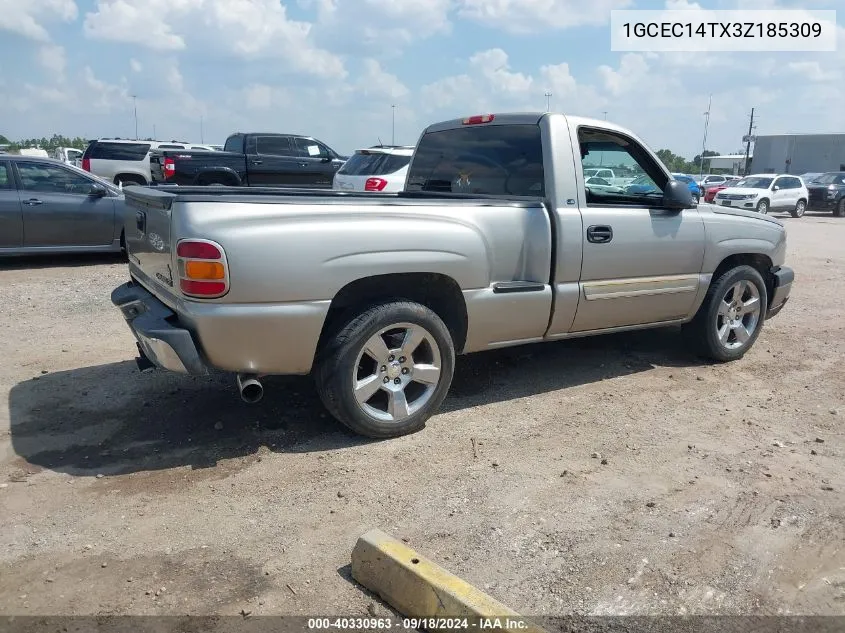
(202, 138)
(135, 108)
(548, 96)
(704, 141)
(393, 125)
(604, 112)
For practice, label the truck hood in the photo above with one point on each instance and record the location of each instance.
(717, 208)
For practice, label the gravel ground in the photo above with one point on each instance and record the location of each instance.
(614, 475)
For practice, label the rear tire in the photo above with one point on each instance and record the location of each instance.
(387, 370)
(731, 316)
(800, 208)
(839, 209)
(763, 207)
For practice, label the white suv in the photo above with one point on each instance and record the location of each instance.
(381, 168)
(764, 192)
(123, 161)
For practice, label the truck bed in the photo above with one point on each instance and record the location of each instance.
(162, 196)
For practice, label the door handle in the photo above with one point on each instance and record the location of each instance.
(303, 164)
(33, 202)
(599, 234)
(256, 162)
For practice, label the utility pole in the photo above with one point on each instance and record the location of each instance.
(604, 112)
(704, 141)
(155, 136)
(748, 145)
(135, 108)
(393, 124)
(548, 96)
(202, 138)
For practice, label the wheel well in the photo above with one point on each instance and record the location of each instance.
(216, 177)
(438, 292)
(130, 178)
(762, 263)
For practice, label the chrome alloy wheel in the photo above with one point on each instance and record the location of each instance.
(396, 372)
(739, 315)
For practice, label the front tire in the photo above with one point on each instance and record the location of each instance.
(387, 370)
(763, 207)
(800, 208)
(839, 209)
(730, 319)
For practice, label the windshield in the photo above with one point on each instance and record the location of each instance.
(754, 183)
(374, 164)
(833, 178)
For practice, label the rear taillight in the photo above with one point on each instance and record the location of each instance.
(375, 184)
(86, 164)
(203, 271)
(169, 167)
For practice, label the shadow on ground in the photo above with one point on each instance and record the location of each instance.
(112, 420)
(74, 260)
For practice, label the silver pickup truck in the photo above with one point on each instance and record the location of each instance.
(496, 241)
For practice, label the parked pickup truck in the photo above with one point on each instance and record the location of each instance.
(252, 160)
(494, 242)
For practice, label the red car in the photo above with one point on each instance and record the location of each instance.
(710, 192)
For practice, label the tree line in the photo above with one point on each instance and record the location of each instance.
(49, 144)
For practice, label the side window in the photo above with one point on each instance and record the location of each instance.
(796, 183)
(307, 148)
(5, 177)
(273, 145)
(44, 178)
(780, 183)
(480, 160)
(628, 160)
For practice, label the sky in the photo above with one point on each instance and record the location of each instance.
(334, 69)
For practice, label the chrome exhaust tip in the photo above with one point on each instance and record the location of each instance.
(250, 388)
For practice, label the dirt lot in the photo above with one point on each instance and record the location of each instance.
(723, 490)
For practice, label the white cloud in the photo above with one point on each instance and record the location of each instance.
(250, 29)
(135, 65)
(812, 71)
(146, 22)
(381, 27)
(53, 59)
(447, 92)
(526, 16)
(25, 17)
(493, 65)
(633, 69)
(376, 82)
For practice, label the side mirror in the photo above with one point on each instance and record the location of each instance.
(776, 188)
(96, 191)
(677, 196)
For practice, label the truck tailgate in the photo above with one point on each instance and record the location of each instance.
(147, 230)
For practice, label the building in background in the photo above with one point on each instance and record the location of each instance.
(798, 153)
(726, 163)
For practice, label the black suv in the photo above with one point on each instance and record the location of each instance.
(827, 193)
